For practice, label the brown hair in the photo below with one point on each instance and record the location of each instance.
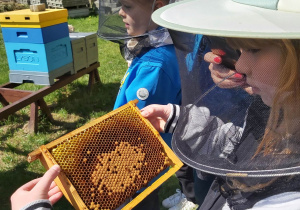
(285, 108)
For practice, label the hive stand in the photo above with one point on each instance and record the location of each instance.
(14, 99)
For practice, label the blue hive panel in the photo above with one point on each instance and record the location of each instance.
(40, 78)
(39, 57)
(36, 35)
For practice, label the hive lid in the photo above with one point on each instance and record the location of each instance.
(109, 159)
(27, 19)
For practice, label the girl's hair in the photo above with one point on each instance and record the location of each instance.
(285, 111)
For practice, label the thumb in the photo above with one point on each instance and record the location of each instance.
(144, 113)
(47, 179)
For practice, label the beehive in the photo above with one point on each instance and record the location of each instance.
(90, 41)
(109, 159)
(37, 45)
(84, 49)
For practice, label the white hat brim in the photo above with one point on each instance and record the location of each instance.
(228, 19)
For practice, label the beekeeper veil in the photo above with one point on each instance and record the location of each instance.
(251, 130)
(114, 25)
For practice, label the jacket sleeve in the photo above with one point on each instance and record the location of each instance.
(173, 118)
(158, 87)
(199, 129)
(42, 204)
(286, 200)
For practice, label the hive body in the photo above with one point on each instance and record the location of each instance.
(84, 49)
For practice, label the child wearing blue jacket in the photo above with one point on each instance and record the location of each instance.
(153, 73)
(152, 77)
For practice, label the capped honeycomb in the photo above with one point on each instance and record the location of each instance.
(109, 160)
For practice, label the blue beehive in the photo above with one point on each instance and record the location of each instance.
(38, 50)
(39, 57)
(35, 35)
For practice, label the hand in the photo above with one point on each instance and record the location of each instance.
(224, 77)
(157, 115)
(41, 188)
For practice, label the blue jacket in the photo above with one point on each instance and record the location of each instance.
(152, 78)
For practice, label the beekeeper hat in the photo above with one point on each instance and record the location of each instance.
(233, 18)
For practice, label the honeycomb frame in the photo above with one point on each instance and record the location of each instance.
(109, 159)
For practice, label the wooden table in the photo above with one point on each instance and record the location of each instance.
(14, 99)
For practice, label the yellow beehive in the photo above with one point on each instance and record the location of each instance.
(27, 19)
(109, 159)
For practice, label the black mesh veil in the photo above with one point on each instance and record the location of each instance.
(113, 26)
(249, 136)
(225, 131)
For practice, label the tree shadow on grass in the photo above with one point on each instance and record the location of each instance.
(81, 105)
(13, 149)
(77, 99)
(85, 103)
(14, 123)
(81, 100)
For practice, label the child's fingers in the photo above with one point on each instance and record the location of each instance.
(230, 83)
(53, 184)
(55, 197)
(220, 70)
(46, 180)
(212, 58)
(147, 111)
(248, 89)
(154, 111)
(53, 191)
(29, 185)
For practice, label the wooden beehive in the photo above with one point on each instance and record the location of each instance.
(108, 160)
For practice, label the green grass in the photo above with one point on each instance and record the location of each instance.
(71, 106)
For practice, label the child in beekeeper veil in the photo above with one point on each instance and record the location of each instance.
(256, 164)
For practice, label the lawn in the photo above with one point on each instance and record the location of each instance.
(71, 106)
